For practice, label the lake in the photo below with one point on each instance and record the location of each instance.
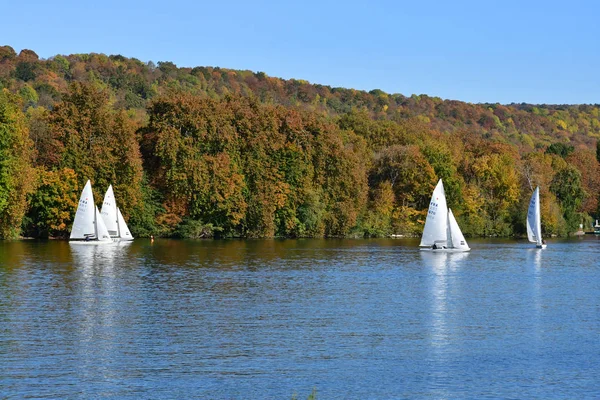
(273, 319)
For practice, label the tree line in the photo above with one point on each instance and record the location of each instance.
(209, 152)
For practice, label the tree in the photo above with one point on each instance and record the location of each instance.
(409, 173)
(560, 149)
(7, 53)
(588, 166)
(440, 158)
(498, 183)
(567, 187)
(47, 149)
(231, 153)
(537, 171)
(192, 157)
(53, 204)
(378, 219)
(97, 143)
(17, 176)
(339, 164)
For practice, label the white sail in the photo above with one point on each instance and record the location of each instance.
(441, 232)
(102, 232)
(123, 229)
(115, 223)
(534, 225)
(448, 232)
(457, 239)
(83, 224)
(109, 212)
(437, 218)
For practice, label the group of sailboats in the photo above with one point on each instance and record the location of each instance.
(91, 226)
(442, 233)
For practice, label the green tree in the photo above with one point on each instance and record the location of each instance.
(26, 70)
(29, 96)
(52, 206)
(378, 219)
(585, 161)
(339, 164)
(17, 175)
(560, 149)
(498, 182)
(567, 187)
(440, 158)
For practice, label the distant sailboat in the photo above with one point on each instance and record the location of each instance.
(534, 220)
(441, 232)
(88, 225)
(115, 223)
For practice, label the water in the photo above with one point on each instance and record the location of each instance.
(368, 319)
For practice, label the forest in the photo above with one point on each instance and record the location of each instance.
(211, 152)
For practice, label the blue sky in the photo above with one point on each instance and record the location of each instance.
(475, 51)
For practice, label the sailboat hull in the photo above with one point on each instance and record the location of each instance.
(451, 250)
(540, 246)
(90, 242)
(122, 239)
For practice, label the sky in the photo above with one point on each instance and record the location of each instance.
(527, 51)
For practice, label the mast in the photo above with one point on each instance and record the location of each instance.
(118, 225)
(449, 242)
(538, 218)
(95, 222)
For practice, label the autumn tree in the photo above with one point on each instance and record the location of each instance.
(240, 153)
(52, 205)
(568, 189)
(409, 173)
(498, 183)
(96, 142)
(192, 155)
(585, 162)
(537, 171)
(17, 176)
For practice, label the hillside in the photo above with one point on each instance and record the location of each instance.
(201, 152)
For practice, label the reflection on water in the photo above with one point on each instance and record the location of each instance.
(95, 332)
(534, 256)
(537, 276)
(269, 318)
(443, 267)
(444, 272)
(438, 262)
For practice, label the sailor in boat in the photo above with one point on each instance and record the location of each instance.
(434, 247)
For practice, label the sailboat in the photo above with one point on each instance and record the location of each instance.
(88, 225)
(441, 232)
(534, 221)
(113, 219)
